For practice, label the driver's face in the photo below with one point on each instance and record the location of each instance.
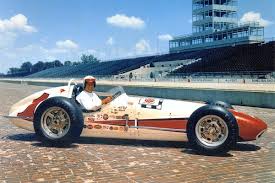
(89, 87)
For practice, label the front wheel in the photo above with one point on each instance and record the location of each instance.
(212, 130)
(58, 121)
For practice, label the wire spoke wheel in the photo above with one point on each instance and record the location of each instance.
(55, 122)
(211, 130)
(58, 121)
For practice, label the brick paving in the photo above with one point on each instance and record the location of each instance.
(24, 159)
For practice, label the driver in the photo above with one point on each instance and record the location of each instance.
(88, 99)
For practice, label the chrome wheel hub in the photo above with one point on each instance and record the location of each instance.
(211, 130)
(55, 122)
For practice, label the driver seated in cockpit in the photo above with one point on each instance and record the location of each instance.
(88, 99)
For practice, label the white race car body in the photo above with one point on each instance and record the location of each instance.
(132, 117)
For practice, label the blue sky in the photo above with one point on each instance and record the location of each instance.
(46, 30)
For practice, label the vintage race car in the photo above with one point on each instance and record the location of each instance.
(211, 128)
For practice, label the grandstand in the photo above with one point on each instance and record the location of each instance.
(102, 68)
(240, 59)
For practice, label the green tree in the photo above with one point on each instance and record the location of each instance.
(57, 63)
(75, 63)
(89, 59)
(68, 63)
(13, 70)
(26, 67)
(48, 65)
(39, 66)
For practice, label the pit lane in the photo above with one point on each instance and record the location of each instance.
(24, 159)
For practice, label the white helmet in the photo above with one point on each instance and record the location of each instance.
(89, 79)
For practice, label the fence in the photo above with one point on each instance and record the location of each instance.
(267, 79)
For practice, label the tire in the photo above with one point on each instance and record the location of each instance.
(58, 121)
(200, 122)
(221, 104)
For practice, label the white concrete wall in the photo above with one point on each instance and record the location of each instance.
(250, 94)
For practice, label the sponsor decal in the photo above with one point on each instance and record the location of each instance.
(151, 103)
(120, 117)
(122, 108)
(90, 120)
(90, 126)
(114, 111)
(105, 116)
(97, 127)
(99, 117)
(104, 127)
(62, 90)
(149, 100)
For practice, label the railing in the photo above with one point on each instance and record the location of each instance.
(158, 80)
(135, 56)
(239, 25)
(220, 43)
(206, 77)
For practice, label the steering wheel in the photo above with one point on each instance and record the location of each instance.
(117, 94)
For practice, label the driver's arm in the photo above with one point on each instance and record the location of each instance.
(106, 100)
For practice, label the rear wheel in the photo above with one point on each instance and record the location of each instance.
(221, 104)
(212, 130)
(58, 121)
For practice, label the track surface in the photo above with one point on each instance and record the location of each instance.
(24, 159)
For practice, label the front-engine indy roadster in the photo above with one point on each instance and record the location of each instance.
(211, 128)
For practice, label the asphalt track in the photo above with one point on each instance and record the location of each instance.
(24, 159)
